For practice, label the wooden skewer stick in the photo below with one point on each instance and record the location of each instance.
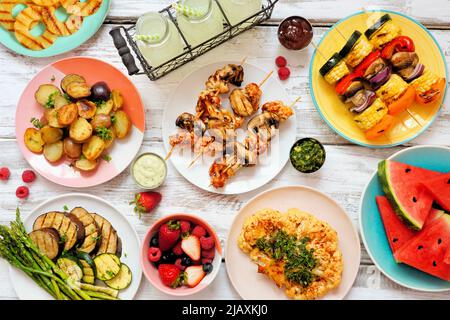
(199, 154)
(243, 61)
(265, 79)
(170, 153)
(295, 101)
(318, 50)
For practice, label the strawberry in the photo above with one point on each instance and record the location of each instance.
(209, 254)
(191, 246)
(177, 249)
(4, 173)
(199, 231)
(170, 275)
(185, 226)
(145, 202)
(194, 274)
(207, 242)
(169, 233)
(281, 61)
(284, 73)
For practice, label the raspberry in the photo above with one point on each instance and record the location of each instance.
(177, 249)
(22, 192)
(199, 231)
(281, 61)
(179, 265)
(284, 73)
(185, 226)
(28, 176)
(206, 260)
(154, 254)
(209, 254)
(4, 174)
(207, 242)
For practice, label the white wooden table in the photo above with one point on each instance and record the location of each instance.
(343, 177)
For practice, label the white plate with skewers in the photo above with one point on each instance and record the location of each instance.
(267, 163)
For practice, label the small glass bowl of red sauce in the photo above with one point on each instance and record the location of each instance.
(295, 33)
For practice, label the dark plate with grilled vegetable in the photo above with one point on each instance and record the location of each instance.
(90, 240)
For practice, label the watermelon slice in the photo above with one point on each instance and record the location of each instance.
(397, 232)
(401, 183)
(439, 188)
(428, 251)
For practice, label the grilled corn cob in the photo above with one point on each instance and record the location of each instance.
(385, 34)
(337, 73)
(392, 89)
(425, 81)
(361, 50)
(372, 115)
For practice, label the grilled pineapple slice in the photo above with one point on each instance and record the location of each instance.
(81, 9)
(372, 115)
(67, 28)
(337, 73)
(362, 49)
(6, 7)
(392, 89)
(25, 20)
(425, 81)
(388, 32)
(46, 3)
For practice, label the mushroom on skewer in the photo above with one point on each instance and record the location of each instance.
(245, 102)
(231, 73)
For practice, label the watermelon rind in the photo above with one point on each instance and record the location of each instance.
(386, 185)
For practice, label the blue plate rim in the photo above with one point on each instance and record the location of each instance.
(360, 224)
(424, 128)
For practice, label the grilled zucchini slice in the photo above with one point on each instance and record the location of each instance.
(71, 268)
(91, 230)
(122, 280)
(334, 69)
(107, 266)
(88, 267)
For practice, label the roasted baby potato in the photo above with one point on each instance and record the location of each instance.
(78, 90)
(51, 115)
(60, 101)
(117, 99)
(86, 109)
(45, 95)
(93, 148)
(122, 124)
(86, 165)
(108, 143)
(101, 120)
(33, 140)
(106, 107)
(72, 149)
(80, 130)
(53, 152)
(67, 114)
(69, 79)
(50, 134)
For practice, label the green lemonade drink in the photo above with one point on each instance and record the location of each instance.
(239, 10)
(157, 38)
(204, 24)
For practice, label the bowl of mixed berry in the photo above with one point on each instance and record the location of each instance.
(181, 254)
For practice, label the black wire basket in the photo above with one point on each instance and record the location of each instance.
(189, 53)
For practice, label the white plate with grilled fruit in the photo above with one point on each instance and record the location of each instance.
(88, 239)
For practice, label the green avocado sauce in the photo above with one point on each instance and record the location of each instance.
(307, 155)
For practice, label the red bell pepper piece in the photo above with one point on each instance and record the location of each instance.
(362, 67)
(345, 82)
(399, 44)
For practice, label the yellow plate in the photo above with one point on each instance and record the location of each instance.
(335, 112)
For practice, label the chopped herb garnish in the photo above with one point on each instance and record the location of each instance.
(37, 123)
(66, 208)
(97, 238)
(113, 119)
(66, 96)
(63, 239)
(125, 255)
(299, 260)
(107, 157)
(103, 133)
(110, 273)
(51, 100)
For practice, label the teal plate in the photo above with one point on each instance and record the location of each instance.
(372, 230)
(90, 26)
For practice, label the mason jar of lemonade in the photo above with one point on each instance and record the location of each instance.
(239, 10)
(158, 39)
(201, 22)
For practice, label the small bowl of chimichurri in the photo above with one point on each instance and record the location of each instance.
(307, 155)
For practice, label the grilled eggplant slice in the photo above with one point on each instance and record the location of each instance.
(66, 228)
(119, 247)
(45, 95)
(109, 238)
(107, 266)
(122, 280)
(47, 240)
(71, 268)
(80, 227)
(91, 230)
(69, 79)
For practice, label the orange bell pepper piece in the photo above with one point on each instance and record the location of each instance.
(380, 128)
(434, 94)
(404, 102)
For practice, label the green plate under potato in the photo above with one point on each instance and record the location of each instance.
(90, 26)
